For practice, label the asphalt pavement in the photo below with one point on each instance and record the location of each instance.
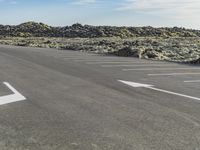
(70, 100)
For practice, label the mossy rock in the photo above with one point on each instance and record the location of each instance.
(127, 52)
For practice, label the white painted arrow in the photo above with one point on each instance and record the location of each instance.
(16, 96)
(134, 84)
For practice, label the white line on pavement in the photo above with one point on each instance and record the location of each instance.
(149, 65)
(117, 62)
(151, 69)
(102, 60)
(75, 59)
(173, 93)
(175, 74)
(192, 81)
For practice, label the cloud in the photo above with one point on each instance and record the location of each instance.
(177, 9)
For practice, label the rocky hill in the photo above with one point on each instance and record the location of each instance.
(33, 29)
(169, 44)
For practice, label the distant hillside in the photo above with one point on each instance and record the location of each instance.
(33, 29)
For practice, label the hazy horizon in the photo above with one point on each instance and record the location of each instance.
(138, 13)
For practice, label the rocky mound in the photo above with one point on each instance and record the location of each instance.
(33, 29)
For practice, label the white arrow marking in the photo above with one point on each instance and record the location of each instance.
(16, 96)
(134, 84)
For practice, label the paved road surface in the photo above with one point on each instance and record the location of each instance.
(74, 101)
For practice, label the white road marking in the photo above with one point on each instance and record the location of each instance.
(102, 60)
(117, 62)
(134, 84)
(16, 96)
(175, 74)
(192, 81)
(149, 65)
(80, 60)
(151, 69)
(75, 59)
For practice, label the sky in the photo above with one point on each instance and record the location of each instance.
(156, 13)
